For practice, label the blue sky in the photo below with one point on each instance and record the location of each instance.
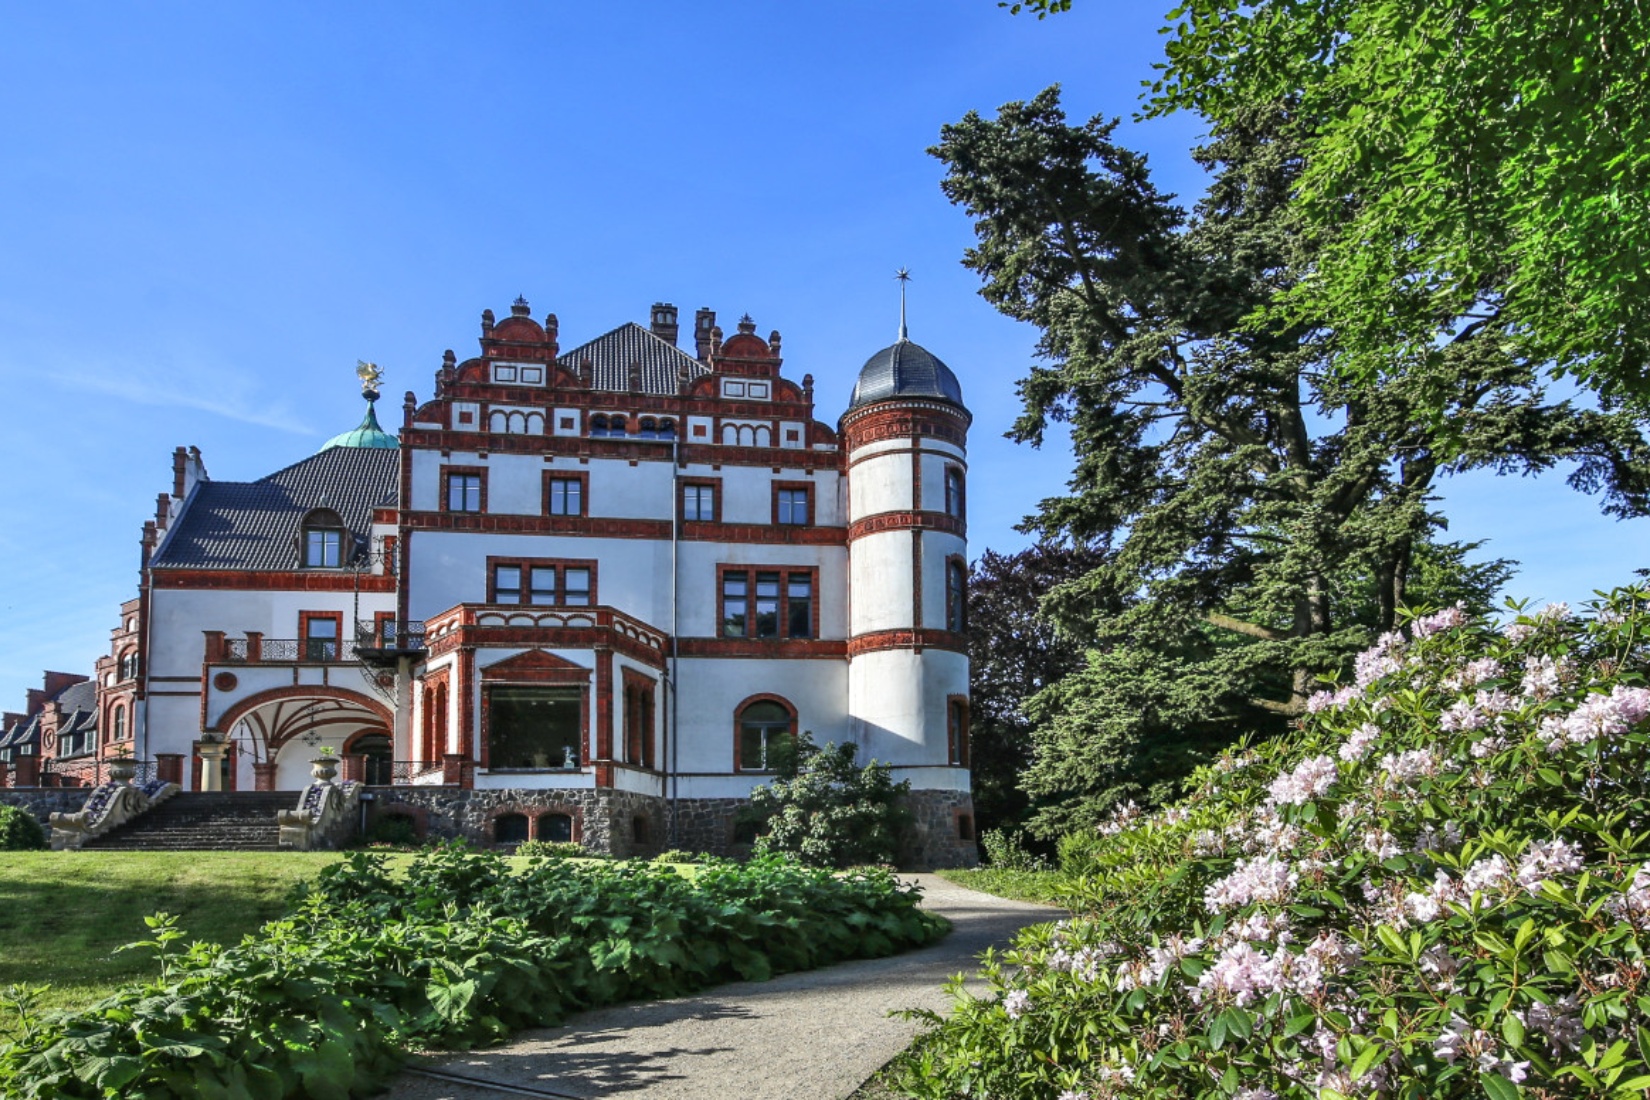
(210, 211)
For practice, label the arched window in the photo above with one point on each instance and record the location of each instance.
(556, 828)
(766, 731)
(440, 720)
(117, 724)
(954, 492)
(510, 828)
(610, 426)
(129, 665)
(323, 540)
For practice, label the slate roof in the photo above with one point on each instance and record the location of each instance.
(256, 524)
(905, 369)
(612, 353)
(26, 732)
(82, 696)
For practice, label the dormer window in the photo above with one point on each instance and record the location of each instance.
(323, 540)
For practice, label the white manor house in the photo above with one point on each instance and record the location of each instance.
(583, 596)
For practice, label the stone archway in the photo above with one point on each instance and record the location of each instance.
(281, 730)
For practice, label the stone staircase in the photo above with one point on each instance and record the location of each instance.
(242, 821)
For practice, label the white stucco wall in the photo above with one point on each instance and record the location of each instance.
(897, 701)
(880, 484)
(881, 578)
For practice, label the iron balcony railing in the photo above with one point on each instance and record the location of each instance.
(288, 651)
(406, 636)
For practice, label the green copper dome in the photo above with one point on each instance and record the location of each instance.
(365, 434)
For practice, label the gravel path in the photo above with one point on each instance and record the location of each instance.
(817, 1035)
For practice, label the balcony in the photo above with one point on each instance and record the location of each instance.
(386, 641)
(375, 643)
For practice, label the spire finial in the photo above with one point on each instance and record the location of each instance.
(904, 276)
(370, 375)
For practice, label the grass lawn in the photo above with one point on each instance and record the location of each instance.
(63, 914)
(1038, 886)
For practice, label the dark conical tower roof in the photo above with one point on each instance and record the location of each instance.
(905, 369)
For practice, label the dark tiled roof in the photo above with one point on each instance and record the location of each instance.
(256, 524)
(23, 733)
(905, 370)
(612, 353)
(82, 696)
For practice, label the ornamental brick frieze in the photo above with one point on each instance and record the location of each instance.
(921, 638)
(273, 581)
(768, 648)
(585, 448)
(904, 421)
(904, 521)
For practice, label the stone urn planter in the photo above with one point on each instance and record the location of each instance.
(122, 769)
(324, 769)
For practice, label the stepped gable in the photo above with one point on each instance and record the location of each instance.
(611, 354)
(255, 525)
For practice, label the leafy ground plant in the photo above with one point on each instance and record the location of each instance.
(1438, 886)
(458, 951)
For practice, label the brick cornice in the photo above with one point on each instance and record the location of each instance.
(904, 521)
(904, 419)
(769, 648)
(275, 580)
(921, 638)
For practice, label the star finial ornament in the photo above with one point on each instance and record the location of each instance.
(904, 276)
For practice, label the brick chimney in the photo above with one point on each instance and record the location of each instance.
(704, 320)
(664, 324)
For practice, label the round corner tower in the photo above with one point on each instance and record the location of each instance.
(905, 435)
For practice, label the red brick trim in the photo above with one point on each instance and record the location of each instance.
(604, 707)
(901, 521)
(448, 472)
(538, 525)
(764, 648)
(536, 667)
(272, 581)
(879, 640)
(581, 682)
(739, 710)
(580, 476)
(895, 452)
(339, 641)
(465, 693)
(533, 813)
(555, 637)
(904, 420)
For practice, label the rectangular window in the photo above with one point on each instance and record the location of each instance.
(319, 632)
(767, 605)
(566, 496)
(535, 728)
(956, 596)
(792, 506)
(544, 582)
(763, 603)
(699, 503)
(323, 547)
(799, 605)
(507, 584)
(543, 590)
(463, 492)
(956, 728)
(735, 587)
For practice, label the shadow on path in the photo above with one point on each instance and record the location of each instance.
(815, 1034)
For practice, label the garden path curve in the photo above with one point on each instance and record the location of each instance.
(816, 1035)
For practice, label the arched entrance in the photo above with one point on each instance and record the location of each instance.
(279, 732)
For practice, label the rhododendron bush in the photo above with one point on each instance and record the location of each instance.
(1438, 886)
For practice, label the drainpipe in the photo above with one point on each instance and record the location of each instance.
(673, 724)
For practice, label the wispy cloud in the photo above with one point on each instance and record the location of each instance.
(220, 394)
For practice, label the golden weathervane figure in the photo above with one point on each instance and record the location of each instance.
(369, 374)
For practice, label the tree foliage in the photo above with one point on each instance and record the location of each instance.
(1014, 652)
(1258, 517)
(1482, 165)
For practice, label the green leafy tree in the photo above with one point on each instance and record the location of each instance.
(828, 811)
(1259, 517)
(1014, 652)
(1475, 166)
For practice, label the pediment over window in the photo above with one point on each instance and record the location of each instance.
(536, 666)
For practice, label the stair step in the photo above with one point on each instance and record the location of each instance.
(205, 821)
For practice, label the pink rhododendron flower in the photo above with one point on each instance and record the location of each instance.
(1357, 744)
(1311, 778)
(1260, 879)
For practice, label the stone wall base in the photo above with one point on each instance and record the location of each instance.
(42, 802)
(625, 824)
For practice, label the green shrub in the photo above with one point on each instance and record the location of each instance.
(678, 855)
(1005, 849)
(553, 849)
(19, 831)
(397, 829)
(458, 951)
(827, 812)
(1438, 886)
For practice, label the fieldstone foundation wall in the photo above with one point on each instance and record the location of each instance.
(42, 802)
(942, 833)
(624, 824)
(618, 823)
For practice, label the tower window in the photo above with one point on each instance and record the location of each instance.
(956, 731)
(956, 596)
(954, 492)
